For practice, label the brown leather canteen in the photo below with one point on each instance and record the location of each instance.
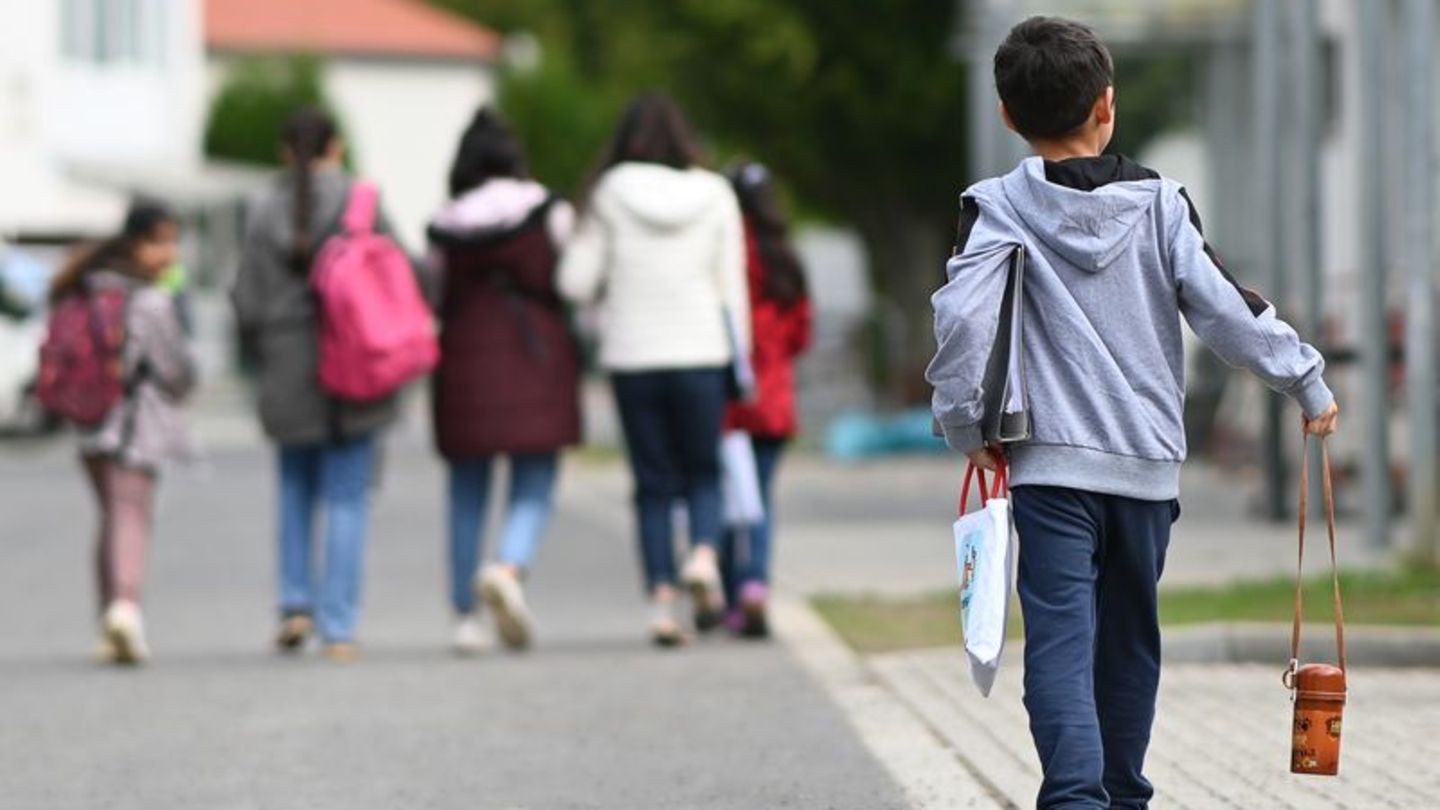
(1319, 711)
(1318, 690)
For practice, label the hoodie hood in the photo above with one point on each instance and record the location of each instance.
(661, 197)
(1090, 216)
(498, 207)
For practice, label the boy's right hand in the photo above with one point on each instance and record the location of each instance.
(986, 458)
(1325, 423)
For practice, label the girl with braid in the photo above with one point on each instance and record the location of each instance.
(326, 447)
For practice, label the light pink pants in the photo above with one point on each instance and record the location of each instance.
(126, 498)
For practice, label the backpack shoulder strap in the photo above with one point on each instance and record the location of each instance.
(360, 207)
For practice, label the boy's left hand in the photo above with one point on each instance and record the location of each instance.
(1325, 423)
(986, 458)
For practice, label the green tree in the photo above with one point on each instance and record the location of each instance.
(252, 105)
(859, 107)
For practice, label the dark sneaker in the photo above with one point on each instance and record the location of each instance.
(754, 596)
(295, 630)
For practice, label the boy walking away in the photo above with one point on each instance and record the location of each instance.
(1114, 256)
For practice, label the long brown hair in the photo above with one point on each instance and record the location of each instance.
(308, 133)
(784, 280)
(653, 129)
(117, 252)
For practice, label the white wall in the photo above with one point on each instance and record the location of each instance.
(404, 120)
(62, 116)
(142, 114)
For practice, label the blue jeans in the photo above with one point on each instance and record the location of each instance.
(745, 556)
(672, 421)
(532, 482)
(1089, 568)
(337, 477)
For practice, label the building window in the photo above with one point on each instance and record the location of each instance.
(114, 31)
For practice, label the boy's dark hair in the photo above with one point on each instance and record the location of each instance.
(1049, 73)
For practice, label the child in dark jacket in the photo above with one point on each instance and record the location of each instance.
(1114, 256)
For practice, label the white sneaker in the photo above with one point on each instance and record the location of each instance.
(702, 579)
(126, 631)
(104, 649)
(470, 636)
(665, 631)
(501, 591)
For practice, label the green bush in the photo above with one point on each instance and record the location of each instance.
(258, 94)
(562, 118)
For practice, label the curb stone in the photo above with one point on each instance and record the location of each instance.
(1269, 643)
(931, 773)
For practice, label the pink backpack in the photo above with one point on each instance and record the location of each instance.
(376, 332)
(82, 361)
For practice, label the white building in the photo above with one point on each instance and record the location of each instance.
(93, 87)
(103, 98)
(404, 77)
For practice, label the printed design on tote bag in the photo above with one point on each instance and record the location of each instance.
(971, 544)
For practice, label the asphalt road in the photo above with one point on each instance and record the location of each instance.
(593, 718)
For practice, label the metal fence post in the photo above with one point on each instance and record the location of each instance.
(1418, 248)
(1266, 44)
(1373, 334)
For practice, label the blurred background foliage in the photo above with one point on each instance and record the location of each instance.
(252, 104)
(859, 108)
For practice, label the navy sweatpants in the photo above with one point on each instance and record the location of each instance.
(1089, 566)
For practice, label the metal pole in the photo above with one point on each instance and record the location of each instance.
(1266, 44)
(1309, 119)
(1373, 335)
(984, 127)
(1419, 255)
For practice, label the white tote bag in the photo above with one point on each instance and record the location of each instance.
(740, 481)
(985, 557)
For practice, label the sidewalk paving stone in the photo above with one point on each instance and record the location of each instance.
(1222, 734)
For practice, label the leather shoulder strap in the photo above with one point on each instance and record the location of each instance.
(1327, 486)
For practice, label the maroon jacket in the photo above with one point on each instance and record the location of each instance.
(508, 380)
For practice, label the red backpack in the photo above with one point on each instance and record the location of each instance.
(376, 331)
(82, 361)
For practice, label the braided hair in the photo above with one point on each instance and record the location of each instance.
(308, 134)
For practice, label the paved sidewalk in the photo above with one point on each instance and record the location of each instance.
(1221, 739)
(593, 718)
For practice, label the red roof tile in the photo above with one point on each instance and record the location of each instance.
(352, 27)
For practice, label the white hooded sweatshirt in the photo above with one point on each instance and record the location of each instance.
(664, 250)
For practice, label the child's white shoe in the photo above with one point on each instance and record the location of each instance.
(470, 636)
(125, 630)
(701, 576)
(502, 593)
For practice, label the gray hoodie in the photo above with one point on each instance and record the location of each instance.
(1114, 258)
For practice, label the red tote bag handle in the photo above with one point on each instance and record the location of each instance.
(1000, 488)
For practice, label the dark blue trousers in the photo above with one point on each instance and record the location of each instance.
(671, 420)
(745, 554)
(1089, 567)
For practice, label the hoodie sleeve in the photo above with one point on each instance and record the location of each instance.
(160, 343)
(733, 281)
(967, 317)
(249, 291)
(1236, 323)
(583, 267)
